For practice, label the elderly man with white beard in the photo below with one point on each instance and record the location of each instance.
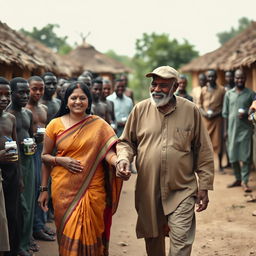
(174, 160)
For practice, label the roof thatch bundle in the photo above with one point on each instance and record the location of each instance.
(240, 51)
(29, 54)
(88, 58)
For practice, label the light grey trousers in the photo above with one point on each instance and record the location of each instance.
(182, 232)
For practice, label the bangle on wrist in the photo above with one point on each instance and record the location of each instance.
(43, 188)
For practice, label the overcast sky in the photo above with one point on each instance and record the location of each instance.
(116, 24)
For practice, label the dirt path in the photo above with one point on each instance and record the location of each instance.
(226, 228)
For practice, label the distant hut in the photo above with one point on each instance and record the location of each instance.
(88, 58)
(238, 52)
(23, 56)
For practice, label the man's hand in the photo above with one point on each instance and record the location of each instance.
(202, 200)
(7, 157)
(39, 137)
(43, 200)
(123, 169)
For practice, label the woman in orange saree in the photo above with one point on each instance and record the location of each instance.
(85, 191)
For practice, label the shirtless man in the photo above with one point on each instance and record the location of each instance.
(10, 169)
(24, 129)
(98, 107)
(39, 112)
(52, 103)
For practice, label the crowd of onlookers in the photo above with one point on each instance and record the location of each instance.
(228, 112)
(26, 107)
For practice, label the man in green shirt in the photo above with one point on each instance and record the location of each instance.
(238, 128)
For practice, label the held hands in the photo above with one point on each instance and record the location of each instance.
(43, 200)
(202, 200)
(123, 169)
(70, 164)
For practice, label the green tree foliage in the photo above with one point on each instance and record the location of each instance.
(153, 50)
(48, 37)
(224, 36)
(126, 60)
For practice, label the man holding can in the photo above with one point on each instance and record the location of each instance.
(210, 105)
(10, 170)
(24, 128)
(171, 145)
(238, 129)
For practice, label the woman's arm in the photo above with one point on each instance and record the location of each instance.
(111, 157)
(69, 163)
(47, 162)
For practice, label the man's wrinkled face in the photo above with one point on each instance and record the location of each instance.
(50, 85)
(162, 90)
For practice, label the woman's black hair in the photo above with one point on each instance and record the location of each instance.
(74, 85)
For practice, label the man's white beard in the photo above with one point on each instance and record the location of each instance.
(162, 101)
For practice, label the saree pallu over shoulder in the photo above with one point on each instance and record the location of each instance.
(84, 202)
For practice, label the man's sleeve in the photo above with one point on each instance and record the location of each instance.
(127, 144)
(204, 163)
(225, 109)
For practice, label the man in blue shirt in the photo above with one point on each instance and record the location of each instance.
(122, 105)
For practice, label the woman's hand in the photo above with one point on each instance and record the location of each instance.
(43, 200)
(70, 164)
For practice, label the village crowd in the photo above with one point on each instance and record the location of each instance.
(26, 108)
(41, 105)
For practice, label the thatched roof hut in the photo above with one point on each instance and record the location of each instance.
(240, 51)
(23, 56)
(88, 58)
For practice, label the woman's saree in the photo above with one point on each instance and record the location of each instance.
(84, 202)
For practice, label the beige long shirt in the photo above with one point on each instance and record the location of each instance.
(212, 98)
(170, 148)
(195, 93)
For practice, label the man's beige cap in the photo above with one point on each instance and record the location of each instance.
(165, 72)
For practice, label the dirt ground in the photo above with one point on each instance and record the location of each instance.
(227, 227)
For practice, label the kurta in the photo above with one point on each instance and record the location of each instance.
(239, 130)
(212, 99)
(195, 93)
(170, 148)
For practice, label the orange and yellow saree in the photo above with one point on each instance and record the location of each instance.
(84, 202)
